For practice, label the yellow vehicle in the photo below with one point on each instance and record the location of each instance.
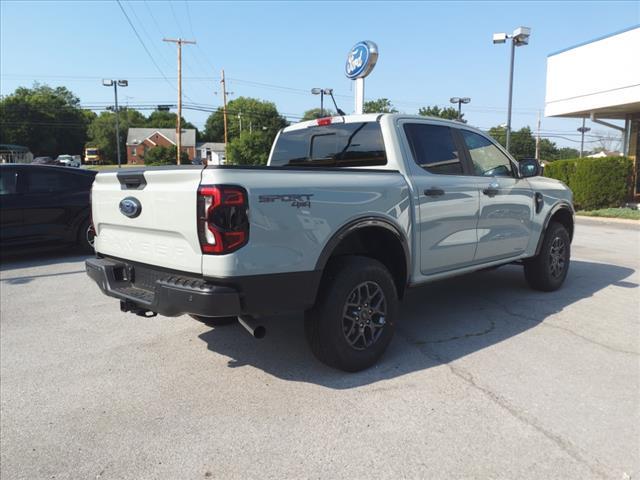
(92, 156)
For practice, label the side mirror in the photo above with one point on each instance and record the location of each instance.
(529, 167)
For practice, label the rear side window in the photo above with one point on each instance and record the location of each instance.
(49, 181)
(8, 181)
(336, 145)
(433, 148)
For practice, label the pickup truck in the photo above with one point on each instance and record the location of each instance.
(349, 213)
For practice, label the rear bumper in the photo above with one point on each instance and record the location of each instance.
(162, 292)
(173, 293)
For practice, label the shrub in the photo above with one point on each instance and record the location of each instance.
(595, 182)
(164, 156)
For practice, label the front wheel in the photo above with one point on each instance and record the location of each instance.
(548, 270)
(354, 319)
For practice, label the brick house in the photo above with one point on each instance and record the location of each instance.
(139, 140)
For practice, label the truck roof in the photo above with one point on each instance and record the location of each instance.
(369, 117)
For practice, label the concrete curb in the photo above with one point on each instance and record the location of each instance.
(627, 221)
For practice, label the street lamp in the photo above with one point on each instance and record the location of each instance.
(115, 84)
(582, 130)
(519, 37)
(322, 92)
(460, 101)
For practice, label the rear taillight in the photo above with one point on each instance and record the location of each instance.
(223, 221)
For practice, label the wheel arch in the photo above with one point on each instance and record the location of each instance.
(374, 237)
(562, 213)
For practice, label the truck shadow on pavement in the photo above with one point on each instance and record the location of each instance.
(11, 262)
(439, 323)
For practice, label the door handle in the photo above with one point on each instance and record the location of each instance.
(492, 190)
(434, 192)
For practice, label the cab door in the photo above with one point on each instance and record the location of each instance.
(506, 201)
(11, 214)
(448, 199)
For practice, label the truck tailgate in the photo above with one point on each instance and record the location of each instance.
(164, 231)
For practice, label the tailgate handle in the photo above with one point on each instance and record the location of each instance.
(132, 180)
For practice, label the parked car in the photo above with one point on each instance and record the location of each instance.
(349, 213)
(45, 205)
(68, 161)
(44, 161)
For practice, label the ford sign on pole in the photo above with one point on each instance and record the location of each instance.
(361, 60)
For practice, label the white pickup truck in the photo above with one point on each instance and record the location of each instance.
(349, 213)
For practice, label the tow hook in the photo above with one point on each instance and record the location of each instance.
(252, 326)
(126, 306)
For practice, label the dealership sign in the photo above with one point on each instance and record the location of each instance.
(361, 60)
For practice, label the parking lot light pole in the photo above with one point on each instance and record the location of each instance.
(319, 91)
(460, 101)
(519, 37)
(116, 84)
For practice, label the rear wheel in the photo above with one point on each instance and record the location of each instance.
(86, 236)
(548, 270)
(354, 319)
(215, 321)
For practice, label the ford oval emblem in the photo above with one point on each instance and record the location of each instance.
(130, 207)
(361, 60)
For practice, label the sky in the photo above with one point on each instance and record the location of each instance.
(278, 51)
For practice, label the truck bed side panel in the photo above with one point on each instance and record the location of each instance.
(294, 213)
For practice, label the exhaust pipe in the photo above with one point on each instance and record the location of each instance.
(251, 325)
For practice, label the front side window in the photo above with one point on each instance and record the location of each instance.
(335, 145)
(487, 159)
(433, 148)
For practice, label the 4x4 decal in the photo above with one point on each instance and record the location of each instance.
(297, 200)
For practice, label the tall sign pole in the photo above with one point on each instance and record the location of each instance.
(179, 42)
(360, 62)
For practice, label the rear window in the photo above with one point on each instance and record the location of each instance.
(336, 145)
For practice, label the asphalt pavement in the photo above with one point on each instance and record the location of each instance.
(485, 379)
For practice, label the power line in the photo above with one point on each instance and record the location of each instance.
(143, 45)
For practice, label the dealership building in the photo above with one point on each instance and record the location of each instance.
(599, 80)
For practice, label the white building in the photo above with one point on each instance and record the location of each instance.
(600, 80)
(211, 153)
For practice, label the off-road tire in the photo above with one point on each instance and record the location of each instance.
(215, 321)
(86, 236)
(547, 270)
(329, 325)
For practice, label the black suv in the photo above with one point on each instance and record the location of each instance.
(44, 205)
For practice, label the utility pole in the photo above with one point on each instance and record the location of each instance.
(538, 139)
(582, 130)
(224, 106)
(179, 42)
(240, 120)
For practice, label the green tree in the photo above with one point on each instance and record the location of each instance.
(47, 120)
(315, 113)
(250, 148)
(161, 155)
(102, 132)
(381, 105)
(450, 113)
(164, 119)
(254, 115)
(565, 153)
(523, 145)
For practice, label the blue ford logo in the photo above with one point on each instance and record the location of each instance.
(130, 207)
(361, 60)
